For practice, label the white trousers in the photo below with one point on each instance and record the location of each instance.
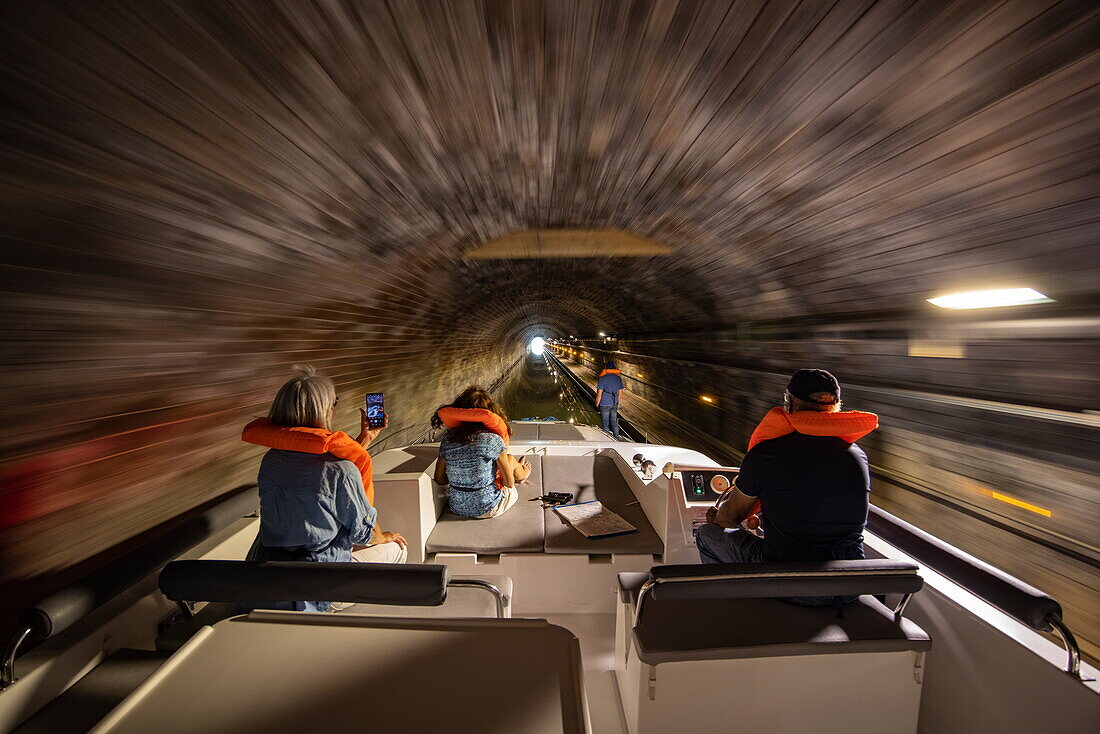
(508, 497)
(381, 553)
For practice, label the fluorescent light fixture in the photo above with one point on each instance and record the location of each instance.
(991, 299)
(602, 334)
(706, 399)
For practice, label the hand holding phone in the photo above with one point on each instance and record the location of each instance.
(376, 410)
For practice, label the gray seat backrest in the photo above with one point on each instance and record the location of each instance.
(764, 580)
(523, 431)
(265, 581)
(736, 610)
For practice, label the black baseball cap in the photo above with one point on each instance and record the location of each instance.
(805, 383)
(610, 365)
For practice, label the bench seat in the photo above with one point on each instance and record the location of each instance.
(293, 671)
(595, 478)
(519, 530)
(528, 528)
(727, 629)
(700, 631)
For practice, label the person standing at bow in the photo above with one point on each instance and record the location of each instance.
(608, 386)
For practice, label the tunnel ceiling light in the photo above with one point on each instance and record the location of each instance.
(602, 334)
(568, 243)
(991, 298)
(706, 398)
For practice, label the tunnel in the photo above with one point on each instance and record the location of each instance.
(200, 195)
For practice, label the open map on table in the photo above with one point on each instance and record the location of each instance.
(593, 520)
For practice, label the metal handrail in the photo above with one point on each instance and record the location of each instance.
(1069, 642)
(7, 676)
(498, 595)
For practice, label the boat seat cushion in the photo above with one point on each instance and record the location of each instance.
(595, 478)
(560, 432)
(86, 702)
(461, 602)
(297, 672)
(724, 629)
(410, 459)
(522, 431)
(519, 530)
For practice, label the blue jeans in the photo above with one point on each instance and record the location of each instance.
(721, 545)
(609, 416)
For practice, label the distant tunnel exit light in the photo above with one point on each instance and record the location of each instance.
(991, 299)
(537, 345)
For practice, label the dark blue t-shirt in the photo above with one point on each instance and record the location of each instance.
(610, 384)
(813, 491)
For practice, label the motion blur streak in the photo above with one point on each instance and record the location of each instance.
(198, 195)
(1020, 503)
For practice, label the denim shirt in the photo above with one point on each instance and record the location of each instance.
(314, 505)
(610, 384)
(472, 467)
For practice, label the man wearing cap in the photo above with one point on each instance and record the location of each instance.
(608, 386)
(809, 477)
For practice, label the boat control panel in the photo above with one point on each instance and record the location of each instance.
(695, 490)
(706, 485)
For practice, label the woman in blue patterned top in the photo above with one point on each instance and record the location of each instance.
(471, 455)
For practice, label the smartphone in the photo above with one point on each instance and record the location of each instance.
(376, 410)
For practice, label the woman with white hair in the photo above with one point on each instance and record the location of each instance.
(316, 492)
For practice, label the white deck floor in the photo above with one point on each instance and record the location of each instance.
(596, 631)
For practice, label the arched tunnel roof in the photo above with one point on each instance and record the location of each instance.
(799, 159)
(198, 196)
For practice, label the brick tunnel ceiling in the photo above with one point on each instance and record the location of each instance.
(200, 194)
(801, 159)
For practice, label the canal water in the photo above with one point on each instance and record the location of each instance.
(534, 391)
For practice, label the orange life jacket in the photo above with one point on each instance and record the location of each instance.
(609, 372)
(849, 426)
(453, 417)
(313, 441)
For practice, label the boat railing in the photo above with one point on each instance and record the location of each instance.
(1021, 601)
(63, 608)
